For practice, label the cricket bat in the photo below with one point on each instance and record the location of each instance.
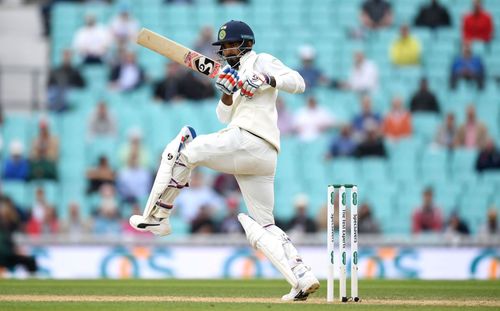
(178, 53)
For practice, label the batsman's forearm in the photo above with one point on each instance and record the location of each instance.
(224, 111)
(291, 82)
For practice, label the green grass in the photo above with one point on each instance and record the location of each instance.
(395, 295)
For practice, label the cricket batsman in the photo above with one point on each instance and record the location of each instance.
(247, 148)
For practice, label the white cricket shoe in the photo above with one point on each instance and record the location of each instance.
(157, 226)
(307, 284)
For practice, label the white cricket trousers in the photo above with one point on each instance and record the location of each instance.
(249, 158)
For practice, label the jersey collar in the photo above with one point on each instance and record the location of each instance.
(247, 56)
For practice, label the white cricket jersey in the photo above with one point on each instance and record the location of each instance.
(258, 115)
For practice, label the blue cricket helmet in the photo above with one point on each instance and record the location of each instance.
(234, 31)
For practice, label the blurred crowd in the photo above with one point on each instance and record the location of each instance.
(211, 203)
(212, 207)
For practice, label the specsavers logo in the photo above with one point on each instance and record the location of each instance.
(486, 263)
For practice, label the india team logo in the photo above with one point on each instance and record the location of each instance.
(222, 34)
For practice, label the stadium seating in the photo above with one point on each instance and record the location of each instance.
(474, 202)
(446, 196)
(17, 191)
(434, 166)
(463, 164)
(393, 186)
(425, 125)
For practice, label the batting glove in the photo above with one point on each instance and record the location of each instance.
(250, 85)
(227, 81)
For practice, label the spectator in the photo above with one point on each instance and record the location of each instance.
(322, 219)
(49, 224)
(428, 217)
(424, 99)
(230, 223)
(225, 184)
(62, 79)
(456, 225)
(488, 158)
(397, 123)
(364, 75)
(44, 154)
(313, 76)
(285, 118)
(366, 222)
(16, 167)
(376, 14)
(343, 145)
(127, 75)
(40, 206)
(372, 145)
(472, 134)
(133, 182)
(107, 221)
(117, 52)
(433, 16)
(191, 85)
(366, 119)
(10, 214)
(92, 41)
(203, 222)
(22, 214)
(447, 133)
(168, 89)
(101, 122)
(191, 199)
(203, 44)
(231, 2)
(478, 24)
(194, 86)
(10, 257)
(406, 50)
(107, 197)
(51, 221)
(45, 144)
(467, 67)
(301, 223)
(75, 226)
(181, 84)
(179, 1)
(124, 27)
(100, 175)
(491, 226)
(310, 121)
(134, 145)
